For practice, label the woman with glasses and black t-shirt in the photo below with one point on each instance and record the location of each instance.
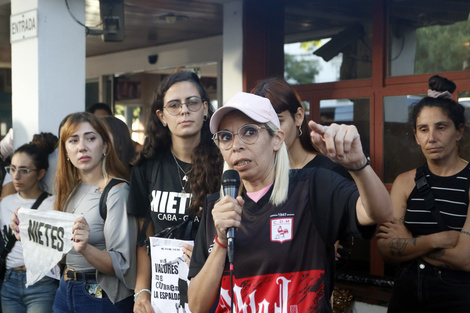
(178, 166)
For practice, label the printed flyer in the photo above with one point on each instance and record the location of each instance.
(169, 276)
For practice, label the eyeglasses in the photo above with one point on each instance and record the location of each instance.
(193, 104)
(22, 171)
(247, 133)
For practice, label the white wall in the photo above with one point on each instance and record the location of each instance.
(48, 71)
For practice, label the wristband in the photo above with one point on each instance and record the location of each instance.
(361, 168)
(142, 290)
(217, 241)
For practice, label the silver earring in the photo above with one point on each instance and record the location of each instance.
(164, 124)
(300, 131)
(68, 159)
(104, 154)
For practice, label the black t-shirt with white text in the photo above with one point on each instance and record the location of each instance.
(156, 186)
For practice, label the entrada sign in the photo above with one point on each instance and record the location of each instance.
(24, 25)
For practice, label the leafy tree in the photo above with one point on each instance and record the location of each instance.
(443, 48)
(298, 70)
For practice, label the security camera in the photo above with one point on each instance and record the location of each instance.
(153, 58)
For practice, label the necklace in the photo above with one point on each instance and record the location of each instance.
(73, 194)
(185, 178)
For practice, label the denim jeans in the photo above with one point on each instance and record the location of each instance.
(424, 288)
(16, 298)
(74, 296)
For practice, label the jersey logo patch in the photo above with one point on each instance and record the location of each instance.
(281, 229)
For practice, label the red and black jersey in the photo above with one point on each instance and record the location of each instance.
(284, 255)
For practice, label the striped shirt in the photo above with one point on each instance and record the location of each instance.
(451, 198)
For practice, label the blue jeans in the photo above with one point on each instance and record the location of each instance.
(75, 296)
(16, 298)
(423, 288)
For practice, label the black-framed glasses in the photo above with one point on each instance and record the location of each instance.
(248, 133)
(193, 103)
(22, 170)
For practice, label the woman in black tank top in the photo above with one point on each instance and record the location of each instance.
(430, 234)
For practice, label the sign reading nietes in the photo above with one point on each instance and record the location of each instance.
(24, 25)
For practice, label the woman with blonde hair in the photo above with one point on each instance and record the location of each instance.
(287, 221)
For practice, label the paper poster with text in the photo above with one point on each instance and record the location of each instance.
(46, 238)
(169, 276)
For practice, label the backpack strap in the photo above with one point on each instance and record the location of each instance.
(104, 196)
(11, 238)
(39, 200)
(429, 201)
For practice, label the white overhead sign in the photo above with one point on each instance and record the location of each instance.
(24, 25)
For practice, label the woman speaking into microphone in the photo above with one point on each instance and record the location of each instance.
(287, 221)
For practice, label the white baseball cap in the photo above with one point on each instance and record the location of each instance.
(255, 107)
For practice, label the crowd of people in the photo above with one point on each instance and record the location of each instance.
(302, 187)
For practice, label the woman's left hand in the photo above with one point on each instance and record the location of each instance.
(81, 232)
(341, 143)
(187, 252)
(393, 230)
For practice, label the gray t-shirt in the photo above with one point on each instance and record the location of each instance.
(117, 235)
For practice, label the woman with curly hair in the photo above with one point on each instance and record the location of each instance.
(178, 167)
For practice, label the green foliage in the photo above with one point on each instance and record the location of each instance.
(119, 110)
(298, 70)
(443, 48)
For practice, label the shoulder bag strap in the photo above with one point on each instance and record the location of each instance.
(429, 201)
(104, 196)
(12, 238)
(39, 200)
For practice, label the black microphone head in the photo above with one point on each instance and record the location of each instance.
(231, 178)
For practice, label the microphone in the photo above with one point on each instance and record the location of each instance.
(230, 185)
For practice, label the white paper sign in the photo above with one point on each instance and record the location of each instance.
(23, 26)
(46, 238)
(169, 276)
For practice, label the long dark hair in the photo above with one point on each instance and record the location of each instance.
(283, 97)
(454, 110)
(206, 159)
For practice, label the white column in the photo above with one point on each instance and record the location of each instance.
(232, 49)
(48, 70)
